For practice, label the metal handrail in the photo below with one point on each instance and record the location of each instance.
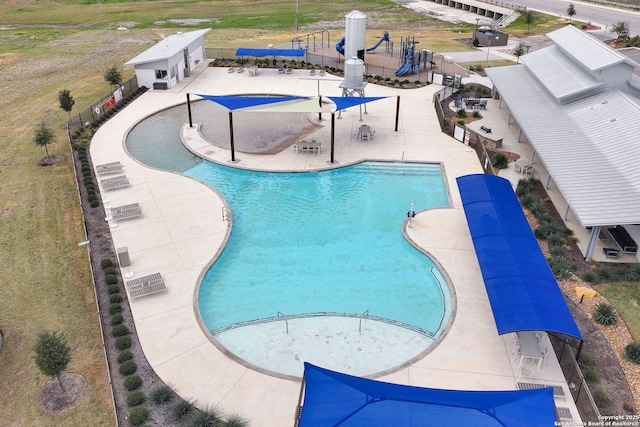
(286, 320)
(366, 313)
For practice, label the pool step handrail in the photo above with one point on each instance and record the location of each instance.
(365, 314)
(286, 320)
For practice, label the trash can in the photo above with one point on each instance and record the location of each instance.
(123, 257)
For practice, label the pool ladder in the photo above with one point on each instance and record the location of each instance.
(226, 213)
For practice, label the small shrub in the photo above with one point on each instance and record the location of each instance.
(586, 359)
(132, 382)
(605, 314)
(94, 203)
(560, 266)
(123, 343)
(115, 298)
(632, 353)
(124, 356)
(208, 416)
(476, 114)
(136, 398)
(105, 263)
(500, 161)
(460, 122)
(91, 196)
(110, 271)
(461, 113)
(589, 276)
(590, 376)
(128, 367)
(162, 394)
(182, 409)
(114, 289)
(116, 319)
(604, 274)
(120, 331)
(115, 308)
(601, 396)
(138, 415)
(111, 279)
(234, 420)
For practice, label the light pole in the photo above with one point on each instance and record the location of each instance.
(489, 46)
(296, 16)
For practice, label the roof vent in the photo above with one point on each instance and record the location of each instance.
(612, 120)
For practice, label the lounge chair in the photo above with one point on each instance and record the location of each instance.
(123, 208)
(623, 239)
(114, 179)
(108, 168)
(144, 279)
(148, 289)
(127, 214)
(107, 186)
(528, 369)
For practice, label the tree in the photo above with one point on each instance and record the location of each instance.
(42, 137)
(519, 51)
(622, 30)
(113, 76)
(52, 354)
(528, 19)
(571, 11)
(66, 101)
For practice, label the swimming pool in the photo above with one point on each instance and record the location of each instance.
(327, 242)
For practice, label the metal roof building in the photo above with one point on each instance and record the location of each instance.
(170, 60)
(578, 103)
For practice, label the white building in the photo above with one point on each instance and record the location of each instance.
(577, 103)
(170, 60)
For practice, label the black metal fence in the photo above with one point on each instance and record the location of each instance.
(97, 109)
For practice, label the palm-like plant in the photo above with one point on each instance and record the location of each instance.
(209, 416)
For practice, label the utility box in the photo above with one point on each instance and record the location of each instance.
(123, 257)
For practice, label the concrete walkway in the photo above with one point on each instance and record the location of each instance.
(182, 232)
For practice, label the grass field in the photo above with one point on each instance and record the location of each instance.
(50, 45)
(626, 299)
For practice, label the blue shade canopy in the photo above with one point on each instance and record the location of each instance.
(238, 102)
(335, 399)
(522, 289)
(343, 102)
(243, 51)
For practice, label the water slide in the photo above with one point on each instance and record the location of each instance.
(340, 44)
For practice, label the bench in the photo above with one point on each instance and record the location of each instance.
(623, 239)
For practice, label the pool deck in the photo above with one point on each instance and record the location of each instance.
(182, 230)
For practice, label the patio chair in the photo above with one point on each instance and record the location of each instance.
(527, 369)
(544, 351)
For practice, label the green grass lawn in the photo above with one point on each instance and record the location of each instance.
(625, 297)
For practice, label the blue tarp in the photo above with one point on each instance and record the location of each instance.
(238, 102)
(343, 102)
(335, 399)
(522, 289)
(243, 51)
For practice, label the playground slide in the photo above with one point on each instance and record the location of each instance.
(403, 70)
(340, 44)
(385, 38)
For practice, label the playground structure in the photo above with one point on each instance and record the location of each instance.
(411, 57)
(384, 38)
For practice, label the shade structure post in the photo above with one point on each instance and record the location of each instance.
(397, 112)
(233, 152)
(333, 136)
(189, 111)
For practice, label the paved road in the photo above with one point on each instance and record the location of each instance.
(604, 16)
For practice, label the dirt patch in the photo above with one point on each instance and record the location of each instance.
(50, 160)
(55, 401)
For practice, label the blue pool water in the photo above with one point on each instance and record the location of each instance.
(324, 242)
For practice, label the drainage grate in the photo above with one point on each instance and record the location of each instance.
(557, 390)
